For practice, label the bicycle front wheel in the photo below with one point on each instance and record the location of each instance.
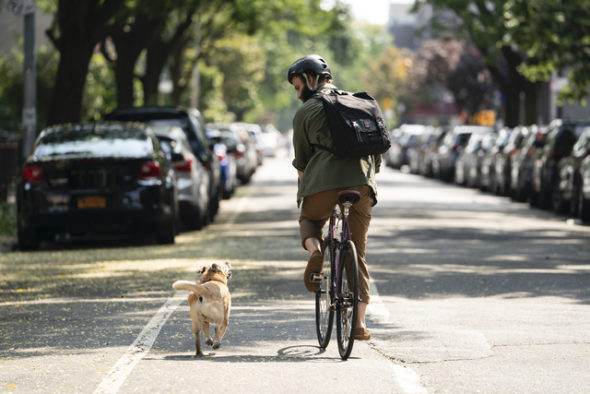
(348, 296)
(324, 313)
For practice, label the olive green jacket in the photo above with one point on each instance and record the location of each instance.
(321, 169)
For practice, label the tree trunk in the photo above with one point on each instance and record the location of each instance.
(155, 60)
(124, 70)
(66, 103)
(81, 25)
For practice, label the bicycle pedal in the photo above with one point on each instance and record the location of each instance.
(316, 278)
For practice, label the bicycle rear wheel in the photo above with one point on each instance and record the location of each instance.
(324, 313)
(348, 296)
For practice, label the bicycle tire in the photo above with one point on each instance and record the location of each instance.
(324, 313)
(347, 306)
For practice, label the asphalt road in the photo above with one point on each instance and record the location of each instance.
(471, 293)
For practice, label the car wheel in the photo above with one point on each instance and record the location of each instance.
(166, 232)
(574, 204)
(559, 204)
(534, 199)
(544, 197)
(193, 221)
(583, 204)
(27, 238)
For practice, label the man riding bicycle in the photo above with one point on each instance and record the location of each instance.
(323, 174)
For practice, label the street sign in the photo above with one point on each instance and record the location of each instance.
(19, 7)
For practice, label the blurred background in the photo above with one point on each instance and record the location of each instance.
(439, 63)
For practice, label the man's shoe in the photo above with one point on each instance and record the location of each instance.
(314, 267)
(361, 334)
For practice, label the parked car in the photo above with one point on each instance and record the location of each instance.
(96, 178)
(227, 161)
(488, 170)
(431, 151)
(192, 177)
(503, 164)
(569, 180)
(561, 137)
(241, 146)
(521, 172)
(402, 139)
(272, 140)
(262, 148)
(468, 167)
(191, 122)
(583, 191)
(417, 150)
(452, 145)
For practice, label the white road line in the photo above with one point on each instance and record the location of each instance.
(139, 348)
(407, 378)
(144, 342)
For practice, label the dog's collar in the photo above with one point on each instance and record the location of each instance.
(214, 280)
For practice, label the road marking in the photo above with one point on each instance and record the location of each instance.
(144, 342)
(407, 378)
(139, 348)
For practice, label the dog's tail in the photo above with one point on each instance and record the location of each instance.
(188, 285)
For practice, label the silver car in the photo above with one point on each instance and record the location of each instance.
(192, 176)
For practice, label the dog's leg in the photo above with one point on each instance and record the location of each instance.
(219, 333)
(199, 352)
(207, 333)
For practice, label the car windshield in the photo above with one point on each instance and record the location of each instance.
(93, 141)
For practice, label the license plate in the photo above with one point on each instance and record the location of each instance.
(92, 202)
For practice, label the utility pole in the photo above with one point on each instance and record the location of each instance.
(30, 79)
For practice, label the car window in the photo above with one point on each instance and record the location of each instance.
(463, 138)
(94, 141)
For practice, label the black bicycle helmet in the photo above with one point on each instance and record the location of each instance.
(310, 63)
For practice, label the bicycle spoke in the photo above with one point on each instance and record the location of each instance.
(324, 301)
(347, 300)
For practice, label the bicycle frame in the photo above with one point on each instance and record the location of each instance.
(338, 293)
(336, 243)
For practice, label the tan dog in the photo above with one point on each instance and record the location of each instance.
(210, 303)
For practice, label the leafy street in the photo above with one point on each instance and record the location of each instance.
(474, 293)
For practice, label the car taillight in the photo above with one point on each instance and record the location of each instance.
(221, 156)
(150, 169)
(184, 166)
(33, 173)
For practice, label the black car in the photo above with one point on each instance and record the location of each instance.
(569, 182)
(191, 122)
(96, 178)
(561, 137)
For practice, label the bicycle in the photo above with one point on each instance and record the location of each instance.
(338, 280)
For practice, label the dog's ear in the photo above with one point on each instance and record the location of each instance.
(203, 269)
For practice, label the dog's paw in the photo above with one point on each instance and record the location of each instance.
(216, 345)
(209, 342)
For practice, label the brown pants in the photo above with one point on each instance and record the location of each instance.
(315, 212)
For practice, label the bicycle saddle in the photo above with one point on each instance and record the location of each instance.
(351, 196)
